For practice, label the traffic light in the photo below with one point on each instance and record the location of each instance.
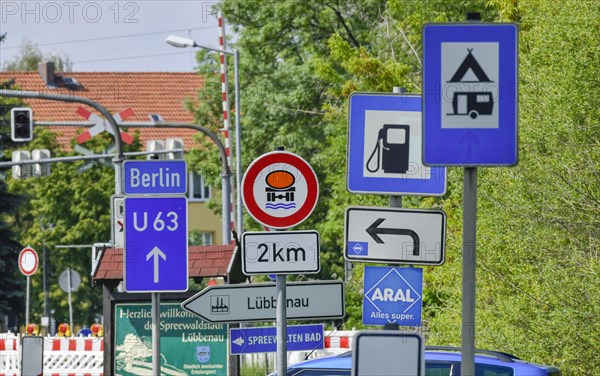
(21, 124)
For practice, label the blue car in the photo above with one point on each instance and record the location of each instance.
(439, 361)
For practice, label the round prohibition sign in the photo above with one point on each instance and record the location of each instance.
(28, 261)
(280, 189)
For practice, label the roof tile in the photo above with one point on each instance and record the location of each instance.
(162, 93)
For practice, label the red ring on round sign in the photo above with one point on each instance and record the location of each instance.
(28, 251)
(257, 166)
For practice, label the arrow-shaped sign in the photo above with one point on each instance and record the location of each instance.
(374, 230)
(156, 253)
(258, 302)
(239, 341)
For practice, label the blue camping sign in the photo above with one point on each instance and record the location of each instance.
(470, 94)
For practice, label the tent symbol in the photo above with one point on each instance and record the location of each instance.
(471, 103)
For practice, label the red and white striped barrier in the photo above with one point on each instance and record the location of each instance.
(71, 356)
(226, 108)
(101, 126)
(77, 344)
(338, 341)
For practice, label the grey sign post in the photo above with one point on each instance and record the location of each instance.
(69, 281)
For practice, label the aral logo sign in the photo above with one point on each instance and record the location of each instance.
(392, 296)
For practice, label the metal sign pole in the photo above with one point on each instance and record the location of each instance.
(27, 303)
(156, 333)
(468, 270)
(70, 288)
(280, 318)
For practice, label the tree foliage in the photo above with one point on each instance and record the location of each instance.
(11, 281)
(538, 222)
(30, 55)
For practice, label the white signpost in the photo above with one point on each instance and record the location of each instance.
(258, 302)
(394, 235)
(290, 252)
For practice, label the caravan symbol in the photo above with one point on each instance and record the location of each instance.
(473, 103)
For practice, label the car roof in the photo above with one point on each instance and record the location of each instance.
(344, 360)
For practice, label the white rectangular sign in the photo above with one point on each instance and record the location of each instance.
(283, 252)
(258, 302)
(395, 235)
(118, 221)
(388, 353)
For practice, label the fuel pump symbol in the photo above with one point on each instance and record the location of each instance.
(391, 150)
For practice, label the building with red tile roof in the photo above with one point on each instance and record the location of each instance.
(161, 93)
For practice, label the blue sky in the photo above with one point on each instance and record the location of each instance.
(109, 35)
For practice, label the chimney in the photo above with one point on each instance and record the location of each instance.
(46, 71)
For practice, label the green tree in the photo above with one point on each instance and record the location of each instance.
(69, 207)
(12, 287)
(537, 230)
(30, 55)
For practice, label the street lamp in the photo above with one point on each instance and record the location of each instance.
(181, 42)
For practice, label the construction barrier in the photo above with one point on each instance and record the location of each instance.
(63, 356)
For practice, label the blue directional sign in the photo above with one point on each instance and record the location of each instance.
(155, 177)
(392, 296)
(470, 94)
(384, 147)
(156, 252)
(264, 339)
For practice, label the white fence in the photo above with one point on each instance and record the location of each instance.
(74, 356)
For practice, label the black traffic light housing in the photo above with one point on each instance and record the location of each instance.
(21, 124)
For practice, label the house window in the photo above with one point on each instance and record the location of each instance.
(197, 237)
(198, 190)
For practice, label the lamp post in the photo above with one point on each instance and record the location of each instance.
(182, 42)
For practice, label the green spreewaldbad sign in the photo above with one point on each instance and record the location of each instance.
(188, 345)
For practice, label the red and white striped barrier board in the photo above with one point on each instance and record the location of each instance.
(226, 107)
(343, 342)
(77, 344)
(72, 356)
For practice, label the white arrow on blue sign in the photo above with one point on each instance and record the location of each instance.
(156, 252)
(470, 96)
(392, 296)
(264, 339)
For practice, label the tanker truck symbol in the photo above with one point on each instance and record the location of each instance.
(280, 187)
